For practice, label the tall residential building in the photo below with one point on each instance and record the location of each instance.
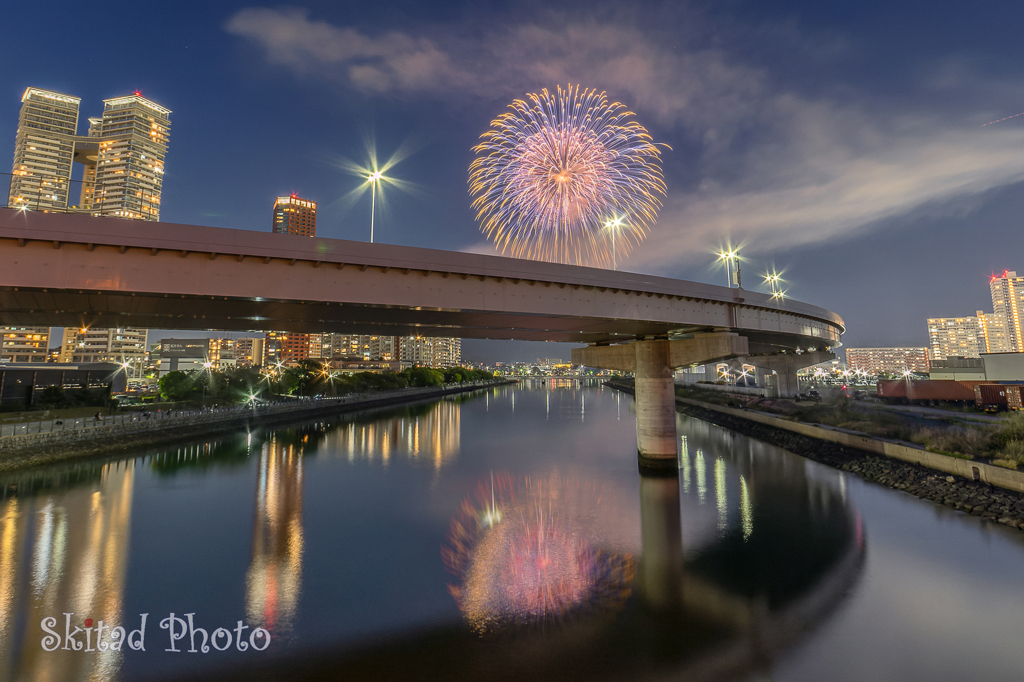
(127, 177)
(123, 155)
(222, 353)
(95, 344)
(381, 347)
(286, 348)
(249, 352)
(24, 344)
(994, 332)
(43, 150)
(959, 336)
(887, 360)
(294, 215)
(1008, 304)
(316, 347)
(437, 352)
(341, 345)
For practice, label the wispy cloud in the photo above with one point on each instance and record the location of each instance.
(775, 167)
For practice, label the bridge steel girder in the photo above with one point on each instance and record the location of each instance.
(652, 364)
(78, 270)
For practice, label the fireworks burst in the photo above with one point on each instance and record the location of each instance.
(567, 177)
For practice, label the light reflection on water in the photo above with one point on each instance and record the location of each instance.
(60, 552)
(274, 579)
(334, 536)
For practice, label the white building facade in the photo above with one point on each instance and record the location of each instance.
(93, 344)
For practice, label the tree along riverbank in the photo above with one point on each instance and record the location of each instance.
(37, 449)
(973, 497)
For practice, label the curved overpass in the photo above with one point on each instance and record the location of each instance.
(77, 270)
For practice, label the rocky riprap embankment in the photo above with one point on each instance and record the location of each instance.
(976, 498)
(973, 497)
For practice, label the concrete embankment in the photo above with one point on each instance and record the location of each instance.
(30, 450)
(973, 487)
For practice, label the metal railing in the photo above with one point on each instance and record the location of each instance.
(208, 414)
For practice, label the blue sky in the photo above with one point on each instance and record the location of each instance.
(840, 141)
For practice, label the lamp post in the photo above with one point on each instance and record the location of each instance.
(730, 257)
(614, 226)
(374, 178)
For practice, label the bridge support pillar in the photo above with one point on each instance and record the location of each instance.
(785, 366)
(652, 363)
(655, 404)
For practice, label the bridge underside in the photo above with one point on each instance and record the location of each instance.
(26, 306)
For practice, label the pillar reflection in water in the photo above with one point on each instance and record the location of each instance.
(661, 568)
(64, 552)
(274, 579)
(434, 436)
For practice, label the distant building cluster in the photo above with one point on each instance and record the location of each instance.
(122, 157)
(878, 361)
(341, 351)
(1001, 331)
(126, 347)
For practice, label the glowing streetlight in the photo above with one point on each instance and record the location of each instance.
(774, 281)
(614, 225)
(375, 177)
(731, 258)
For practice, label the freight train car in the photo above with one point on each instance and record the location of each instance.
(997, 397)
(926, 391)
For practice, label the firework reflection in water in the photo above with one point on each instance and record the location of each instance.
(528, 553)
(566, 176)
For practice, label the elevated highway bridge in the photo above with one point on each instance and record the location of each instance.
(78, 270)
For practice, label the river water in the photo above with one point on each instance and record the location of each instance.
(504, 534)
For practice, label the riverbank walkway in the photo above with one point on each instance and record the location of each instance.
(170, 417)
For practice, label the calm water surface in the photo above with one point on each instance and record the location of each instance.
(504, 534)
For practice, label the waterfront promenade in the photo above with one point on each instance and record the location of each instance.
(42, 442)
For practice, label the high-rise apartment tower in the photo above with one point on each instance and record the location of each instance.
(43, 150)
(294, 215)
(127, 176)
(1008, 304)
(123, 154)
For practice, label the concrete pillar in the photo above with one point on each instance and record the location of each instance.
(787, 381)
(661, 532)
(655, 405)
(652, 362)
(785, 366)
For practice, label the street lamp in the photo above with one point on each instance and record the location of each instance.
(373, 178)
(774, 281)
(730, 257)
(614, 225)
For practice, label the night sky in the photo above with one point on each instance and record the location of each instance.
(842, 142)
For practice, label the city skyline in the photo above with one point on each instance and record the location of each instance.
(239, 61)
